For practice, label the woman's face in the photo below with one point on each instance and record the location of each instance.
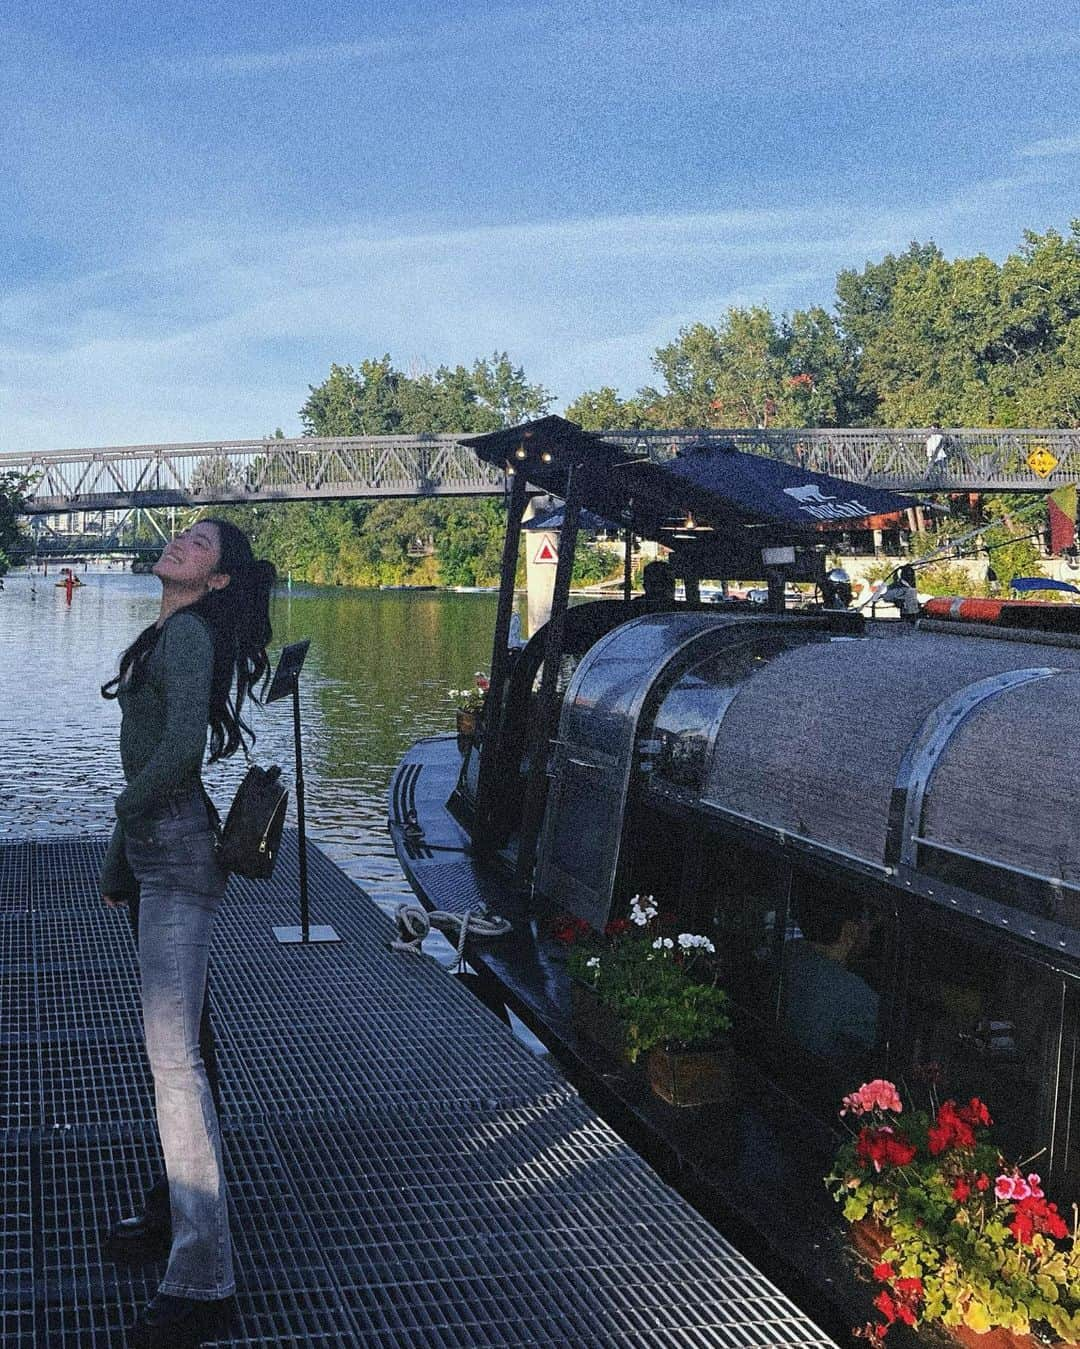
(191, 559)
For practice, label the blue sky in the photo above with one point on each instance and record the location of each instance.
(204, 204)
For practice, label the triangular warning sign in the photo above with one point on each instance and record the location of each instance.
(547, 551)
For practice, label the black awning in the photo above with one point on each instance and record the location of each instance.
(718, 504)
(772, 491)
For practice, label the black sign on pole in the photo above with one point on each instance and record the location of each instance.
(286, 680)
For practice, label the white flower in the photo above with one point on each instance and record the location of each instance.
(593, 963)
(663, 944)
(689, 941)
(642, 909)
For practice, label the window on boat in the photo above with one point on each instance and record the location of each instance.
(1044, 897)
(676, 746)
(804, 959)
(832, 972)
(747, 895)
(979, 1020)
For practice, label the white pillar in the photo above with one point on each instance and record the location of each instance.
(541, 558)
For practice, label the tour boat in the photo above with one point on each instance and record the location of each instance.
(874, 822)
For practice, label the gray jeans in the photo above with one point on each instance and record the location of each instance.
(180, 891)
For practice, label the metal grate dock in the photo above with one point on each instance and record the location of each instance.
(402, 1172)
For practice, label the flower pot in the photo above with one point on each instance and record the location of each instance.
(598, 1023)
(686, 1077)
(467, 723)
(998, 1338)
(871, 1240)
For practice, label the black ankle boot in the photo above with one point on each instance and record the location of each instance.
(168, 1322)
(146, 1237)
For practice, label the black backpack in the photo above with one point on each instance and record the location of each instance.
(250, 838)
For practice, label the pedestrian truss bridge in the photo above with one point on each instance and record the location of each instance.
(313, 468)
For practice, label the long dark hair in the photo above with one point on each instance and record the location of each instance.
(238, 617)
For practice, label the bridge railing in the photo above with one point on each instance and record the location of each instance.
(962, 460)
(265, 470)
(435, 465)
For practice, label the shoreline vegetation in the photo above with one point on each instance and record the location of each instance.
(914, 339)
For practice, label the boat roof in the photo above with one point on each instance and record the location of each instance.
(711, 502)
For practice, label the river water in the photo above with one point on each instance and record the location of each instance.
(376, 679)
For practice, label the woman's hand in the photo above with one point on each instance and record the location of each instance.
(115, 901)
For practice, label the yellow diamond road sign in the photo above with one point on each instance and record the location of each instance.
(1041, 462)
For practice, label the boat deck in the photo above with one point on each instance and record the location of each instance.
(402, 1171)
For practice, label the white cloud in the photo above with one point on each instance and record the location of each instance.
(290, 58)
(1051, 147)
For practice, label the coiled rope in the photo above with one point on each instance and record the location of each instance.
(415, 923)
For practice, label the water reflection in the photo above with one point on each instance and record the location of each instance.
(376, 679)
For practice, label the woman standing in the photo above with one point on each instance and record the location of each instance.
(186, 674)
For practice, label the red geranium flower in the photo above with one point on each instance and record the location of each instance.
(1036, 1215)
(950, 1130)
(567, 929)
(975, 1114)
(883, 1147)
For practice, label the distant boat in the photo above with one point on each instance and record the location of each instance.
(408, 587)
(474, 590)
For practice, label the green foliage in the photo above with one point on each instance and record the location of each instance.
(969, 1240)
(407, 541)
(469, 543)
(751, 369)
(593, 564)
(13, 487)
(604, 410)
(970, 342)
(663, 988)
(916, 340)
(378, 400)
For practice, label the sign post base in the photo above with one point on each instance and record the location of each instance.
(296, 935)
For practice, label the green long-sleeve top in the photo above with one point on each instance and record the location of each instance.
(162, 735)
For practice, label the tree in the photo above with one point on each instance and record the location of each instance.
(864, 299)
(729, 375)
(821, 387)
(378, 400)
(13, 489)
(969, 342)
(370, 543)
(469, 544)
(604, 410)
(364, 402)
(751, 369)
